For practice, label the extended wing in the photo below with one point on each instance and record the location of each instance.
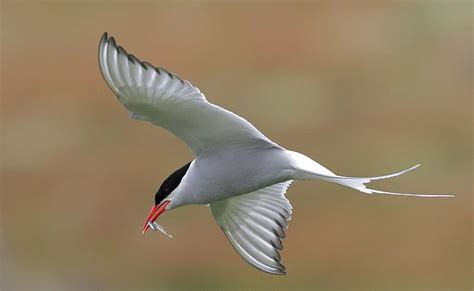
(162, 98)
(255, 224)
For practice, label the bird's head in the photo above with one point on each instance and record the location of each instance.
(163, 198)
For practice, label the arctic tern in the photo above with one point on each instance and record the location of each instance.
(240, 173)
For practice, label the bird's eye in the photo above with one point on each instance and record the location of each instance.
(167, 190)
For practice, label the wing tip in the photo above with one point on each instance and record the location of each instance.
(105, 36)
(104, 39)
(279, 272)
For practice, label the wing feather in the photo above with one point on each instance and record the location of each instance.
(153, 94)
(255, 224)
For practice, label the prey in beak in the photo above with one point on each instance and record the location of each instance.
(155, 212)
(162, 199)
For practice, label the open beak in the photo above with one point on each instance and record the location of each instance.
(155, 212)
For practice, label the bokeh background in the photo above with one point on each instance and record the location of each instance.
(364, 88)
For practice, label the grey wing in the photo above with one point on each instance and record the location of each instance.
(153, 94)
(255, 224)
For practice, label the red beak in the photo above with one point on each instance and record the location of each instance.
(155, 211)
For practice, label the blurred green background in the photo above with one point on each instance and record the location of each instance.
(364, 89)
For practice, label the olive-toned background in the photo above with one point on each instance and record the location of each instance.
(365, 89)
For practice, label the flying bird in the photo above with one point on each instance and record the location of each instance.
(240, 173)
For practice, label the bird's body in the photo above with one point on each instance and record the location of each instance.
(214, 178)
(237, 170)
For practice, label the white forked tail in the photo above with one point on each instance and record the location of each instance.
(306, 169)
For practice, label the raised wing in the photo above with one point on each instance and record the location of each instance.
(255, 224)
(162, 98)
